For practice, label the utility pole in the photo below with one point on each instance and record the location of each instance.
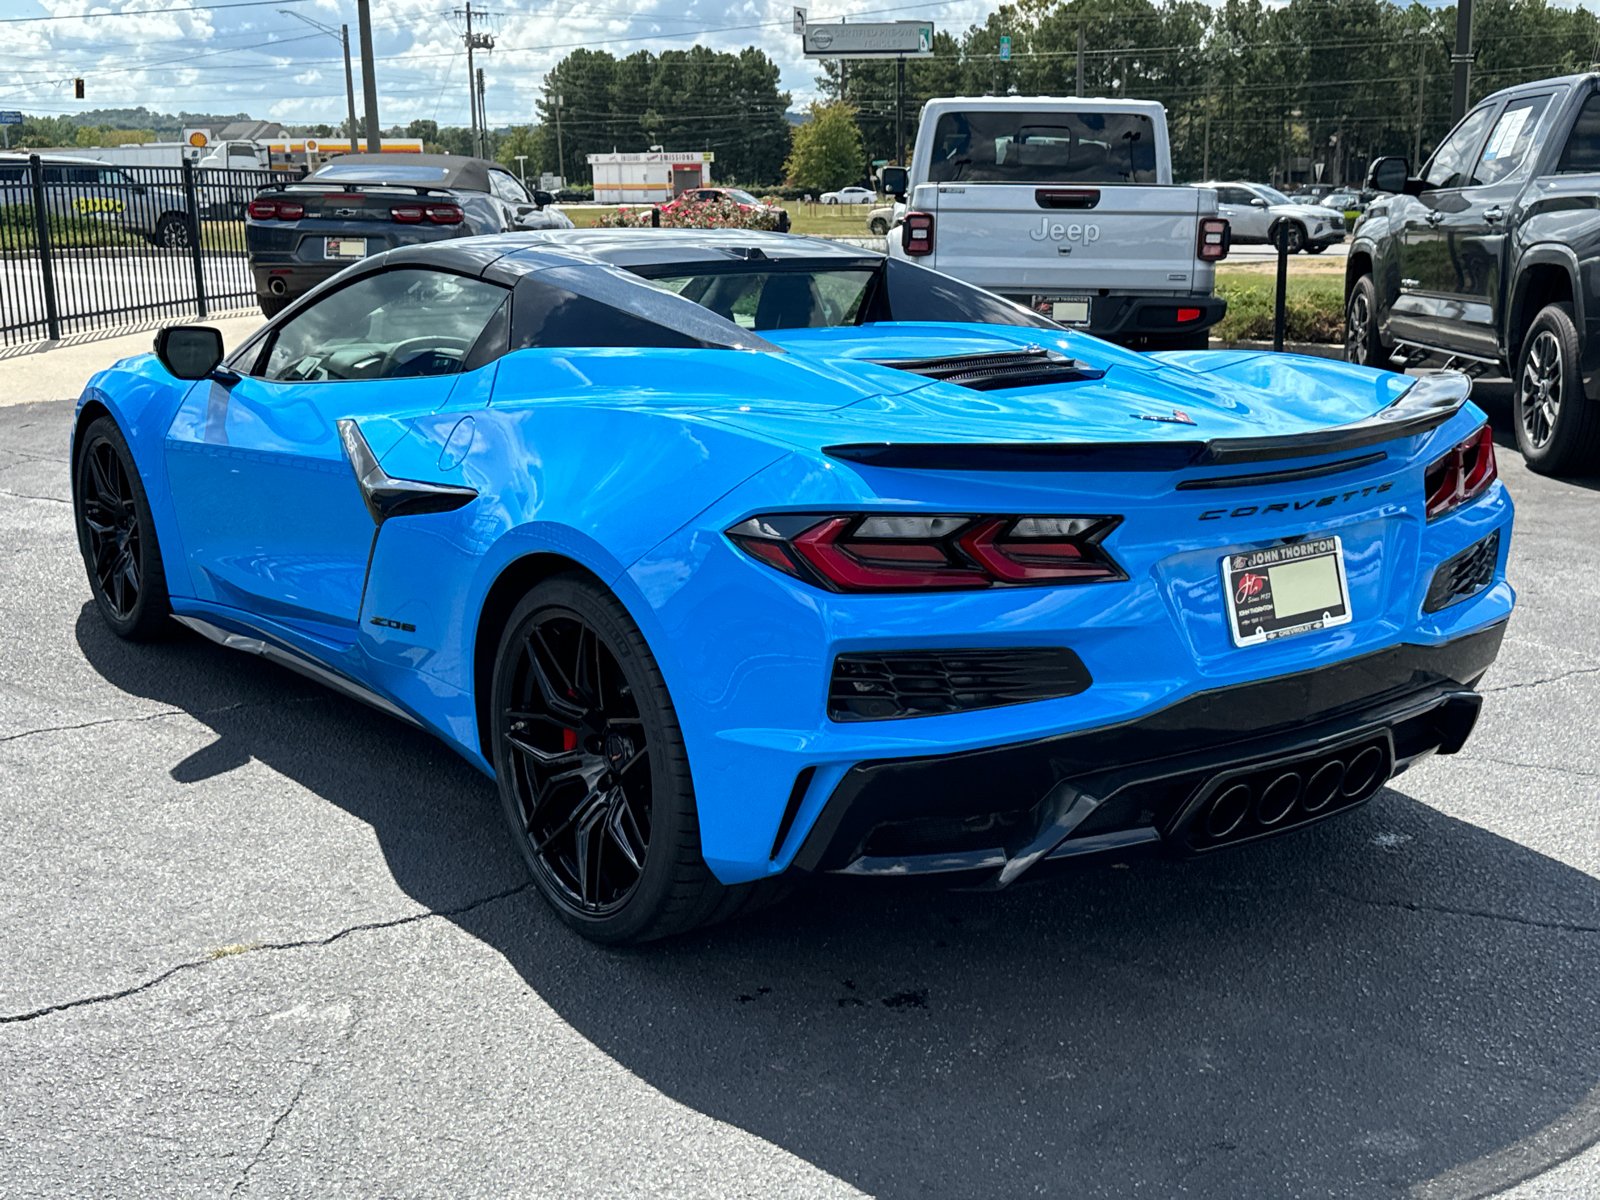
(483, 120)
(349, 83)
(1080, 61)
(472, 96)
(1461, 60)
(1422, 79)
(1205, 168)
(899, 103)
(369, 80)
(561, 156)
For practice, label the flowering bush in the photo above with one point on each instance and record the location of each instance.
(721, 213)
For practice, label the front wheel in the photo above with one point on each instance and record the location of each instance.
(1362, 343)
(1316, 247)
(593, 773)
(879, 227)
(172, 231)
(117, 536)
(1296, 237)
(1558, 427)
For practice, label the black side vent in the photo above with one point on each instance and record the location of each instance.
(886, 684)
(1027, 367)
(1463, 575)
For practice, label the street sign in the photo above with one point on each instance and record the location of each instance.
(800, 21)
(1005, 49)
(10, 118)
(870, 39)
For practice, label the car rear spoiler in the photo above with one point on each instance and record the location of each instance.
(1426, 404)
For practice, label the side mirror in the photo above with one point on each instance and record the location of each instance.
(189, 351)
(1388, 175)
(894, 180)
(543, 198)
(1258, 202)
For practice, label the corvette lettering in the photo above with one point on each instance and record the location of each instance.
(1250, 510)
(1055, 231)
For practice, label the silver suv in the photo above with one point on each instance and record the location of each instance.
(82, 188)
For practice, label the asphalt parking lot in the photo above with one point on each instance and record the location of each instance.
(261, 941)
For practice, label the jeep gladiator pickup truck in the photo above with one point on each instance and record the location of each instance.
(1065, 206)
(1490, 258)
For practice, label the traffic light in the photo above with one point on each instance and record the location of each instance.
(77, 89)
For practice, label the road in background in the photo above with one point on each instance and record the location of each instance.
(262, 941)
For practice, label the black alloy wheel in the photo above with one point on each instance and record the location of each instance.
(1362, 344)
(1296, 238)
(594, 777)
(117, 536)
(1558, 427)
(172, 231)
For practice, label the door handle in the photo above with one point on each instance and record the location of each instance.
(1434, 218)
(1494, 213)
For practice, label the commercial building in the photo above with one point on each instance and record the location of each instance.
(648, 178)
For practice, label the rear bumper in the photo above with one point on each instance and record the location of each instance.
(282, 281)
(1171, 779)
(1121, 317)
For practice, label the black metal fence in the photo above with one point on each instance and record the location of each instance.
(90, 245)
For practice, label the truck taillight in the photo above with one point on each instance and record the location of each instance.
(1214, 239)
(916, 233)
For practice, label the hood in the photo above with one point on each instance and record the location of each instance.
(1318, 211)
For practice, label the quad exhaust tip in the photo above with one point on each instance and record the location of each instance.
(1269, 799)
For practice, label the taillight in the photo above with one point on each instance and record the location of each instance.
(290, 212)
(445, 214)
(406, 214)
(1214, 239)
(1186, 315)
(263, 210)
(1463, 474)
(903, 552)
(916, 233)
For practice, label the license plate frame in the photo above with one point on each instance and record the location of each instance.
(337, 248)
(1298, 573)
(1065, 310)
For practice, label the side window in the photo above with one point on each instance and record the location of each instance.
(507, 188)
(394, 325)
(1452, 163)
(1506, 151)
(1581, 154)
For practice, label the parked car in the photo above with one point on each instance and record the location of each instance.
(1344, 202)
(298, 234)
(745, 201)
(850, 195)
(1065, 206)
(1488, 256)
(916, 582)
(881, 220)
(83, 188)
(1255, 212)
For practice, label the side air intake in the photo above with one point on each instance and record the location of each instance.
(1029, 366)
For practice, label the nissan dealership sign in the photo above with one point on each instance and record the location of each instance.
(870, 39)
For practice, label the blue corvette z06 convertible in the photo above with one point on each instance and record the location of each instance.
(734, 557)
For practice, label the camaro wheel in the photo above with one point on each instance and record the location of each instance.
(1361, 341)
(593, 773)
(1558, 428)
(117, 536)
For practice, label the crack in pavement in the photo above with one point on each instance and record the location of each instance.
(25, 496)
(1506, 762)
(272, 1132)
(1528, 683)
(1482, 914)
(302, 944)
(156, 716)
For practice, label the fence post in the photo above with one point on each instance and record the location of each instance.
(193, 205)
(41, 233)
(1278, 315)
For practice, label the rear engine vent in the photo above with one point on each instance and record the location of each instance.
(1463, 575)
(1027, 367)
(886, 684)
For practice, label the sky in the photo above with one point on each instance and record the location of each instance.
(228, 56)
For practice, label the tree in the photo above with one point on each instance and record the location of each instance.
(827, 150)
(528, 140)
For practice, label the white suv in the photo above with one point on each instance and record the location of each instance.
(1255, 211)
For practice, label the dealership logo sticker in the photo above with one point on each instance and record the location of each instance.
(1178, 417)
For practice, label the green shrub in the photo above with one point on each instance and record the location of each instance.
(1313, 308)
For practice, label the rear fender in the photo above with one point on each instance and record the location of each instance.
(1529, 294)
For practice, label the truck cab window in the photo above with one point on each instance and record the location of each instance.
(1452, 163)
(1581, 154)
(1506, 151)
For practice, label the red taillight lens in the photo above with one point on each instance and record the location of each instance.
(1215, 234)
(916, 233)
(1463, 474)
(263, 210)
(1188, 314)
(406, 214)
(901, 552)
(444, 214)
(290, 212)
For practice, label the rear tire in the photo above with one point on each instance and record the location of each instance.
(879, 227)
(1362, 344)
(117, 536)
(172, 231)
(1558, 427)
(594, 778)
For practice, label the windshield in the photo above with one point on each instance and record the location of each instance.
(398, 173)
(761, 300)
(742, 197)
(1043, 147)
(1271, 195)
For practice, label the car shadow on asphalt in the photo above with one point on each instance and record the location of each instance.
(1346, 1011)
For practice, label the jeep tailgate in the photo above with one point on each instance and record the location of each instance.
(1060, 238)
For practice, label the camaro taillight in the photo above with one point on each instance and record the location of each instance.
(445, 214)
(903, 552)
(916, 233)
(290, 212)
(266, 210)
(1214, 238)
(1463, 474)
(406, 214)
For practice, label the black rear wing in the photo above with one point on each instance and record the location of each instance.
(1426, 404)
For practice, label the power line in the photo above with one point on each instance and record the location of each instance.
(143, 12)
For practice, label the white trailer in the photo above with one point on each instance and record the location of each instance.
(236, 155)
